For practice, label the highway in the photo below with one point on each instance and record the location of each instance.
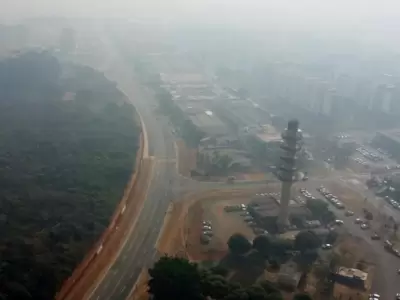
(165, 186)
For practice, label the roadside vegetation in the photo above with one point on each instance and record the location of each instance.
(184, 126)
(238, 276)
(67, 149)
(177, 278)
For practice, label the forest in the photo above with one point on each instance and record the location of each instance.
(68, 142)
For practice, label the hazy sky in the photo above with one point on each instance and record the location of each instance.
(286, 13)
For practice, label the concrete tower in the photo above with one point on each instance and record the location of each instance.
(292, 139)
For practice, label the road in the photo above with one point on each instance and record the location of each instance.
(165, 186)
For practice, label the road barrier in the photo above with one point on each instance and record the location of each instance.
(90, 258)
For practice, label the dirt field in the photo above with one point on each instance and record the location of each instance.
(183, 224)
(354, 253)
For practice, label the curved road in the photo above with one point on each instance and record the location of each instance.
(166, 184)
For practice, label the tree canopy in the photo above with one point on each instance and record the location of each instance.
(64, 164)
(238, 244)
(177, 278)
(174, 278)
(306, 240)
(302, 296)
(262, 244)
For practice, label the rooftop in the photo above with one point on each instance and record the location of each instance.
(352, 273)
(182, 78)
(269, 207)
(208, 123)
(393, 134)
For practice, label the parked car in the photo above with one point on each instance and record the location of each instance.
(358, 221)
(375, 236)
(204, 239)
(326, 246)
(339, 222)
(208, 233)
(248, 219)
(349, 213)
(364, 226)
(339, 205)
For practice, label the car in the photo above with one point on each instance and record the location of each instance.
(339, 205)
(364, 226)
(248, 219)
(245, 214)
(338, 222)
(349, 213)
(208, 223)
(326, 246)
(208, 233)
(206, 227)
(258, 230)
(396, 252)
(358, 221)
(375, 236)
(398, 296)
(376, 296)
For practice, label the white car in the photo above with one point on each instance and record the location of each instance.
(364, 226)
(338, 222)
(326, 246)
(358, 221)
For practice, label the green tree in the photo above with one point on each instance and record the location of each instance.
(219, 270)
(174, 278)
(302, 296)
(239, 294)
(238, 244)
(275, 296)
(262, 244)
(256, 292)
(215, 286)
(317, 206)
(306, 240)
(269, 287)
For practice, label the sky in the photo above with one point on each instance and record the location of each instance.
(310, 14)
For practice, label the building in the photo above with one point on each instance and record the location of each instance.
(351, 277)
(389, 140)
(208, 123)
(291, 145)
(265, 211)
(289, 276)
